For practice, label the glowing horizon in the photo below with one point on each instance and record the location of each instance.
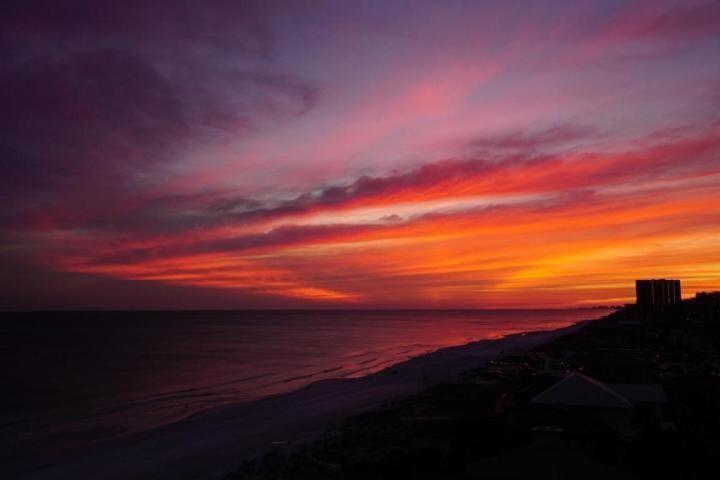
(375, 155)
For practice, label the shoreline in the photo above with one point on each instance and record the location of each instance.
(211, 443)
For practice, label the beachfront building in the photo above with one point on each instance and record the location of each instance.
(577, 398)
(657, 293)
(578, 390)
(579, 402)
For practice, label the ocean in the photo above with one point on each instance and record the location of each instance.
(74, 378)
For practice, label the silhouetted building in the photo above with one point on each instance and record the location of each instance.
(657, 293)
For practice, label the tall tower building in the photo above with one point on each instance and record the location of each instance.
(657, 292)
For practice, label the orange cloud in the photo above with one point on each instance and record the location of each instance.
(599, 221)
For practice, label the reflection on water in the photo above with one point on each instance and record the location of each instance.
(72, 378)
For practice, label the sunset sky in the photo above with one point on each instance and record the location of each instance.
(225, 154)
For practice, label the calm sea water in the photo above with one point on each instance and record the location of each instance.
(74, 378)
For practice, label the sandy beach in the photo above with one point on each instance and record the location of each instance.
(212, 443)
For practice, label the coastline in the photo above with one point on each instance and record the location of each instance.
(211, 443)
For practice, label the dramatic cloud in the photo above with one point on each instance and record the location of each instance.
(103, 113)
(102, 102)
(278, 154)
